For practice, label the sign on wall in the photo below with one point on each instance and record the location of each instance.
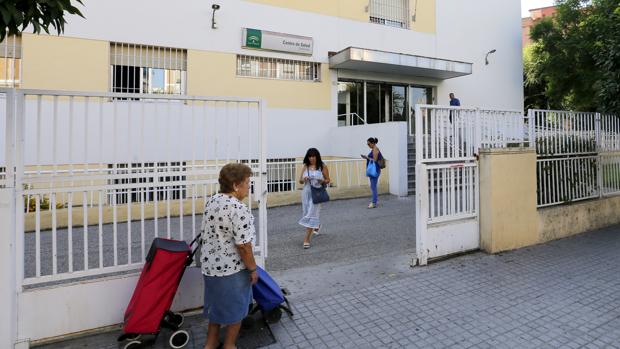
(266, 40)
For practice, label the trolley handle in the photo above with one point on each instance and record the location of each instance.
(190, 257)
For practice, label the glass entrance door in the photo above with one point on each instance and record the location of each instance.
(418, 95)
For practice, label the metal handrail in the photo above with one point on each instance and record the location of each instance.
(356, 115)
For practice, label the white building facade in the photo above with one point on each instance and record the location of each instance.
(301, 88)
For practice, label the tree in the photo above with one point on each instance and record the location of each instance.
(576, 56)
(534, 87)
(17, 15)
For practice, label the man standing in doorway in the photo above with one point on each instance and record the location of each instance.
(454, 102)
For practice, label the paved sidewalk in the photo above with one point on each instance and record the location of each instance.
(564, 294)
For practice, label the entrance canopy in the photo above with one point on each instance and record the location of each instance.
(361, 59)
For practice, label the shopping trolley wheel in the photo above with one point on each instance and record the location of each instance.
(179, 339)
(273, 316)
(173, 320)
(133, 345)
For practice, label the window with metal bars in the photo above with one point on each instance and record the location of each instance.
(392, 13)
(147, 69)
(2, 175)
(138, 173)
(280, 174)
(277, 68)
(10, 61)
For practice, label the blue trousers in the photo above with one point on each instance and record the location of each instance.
(373, 188)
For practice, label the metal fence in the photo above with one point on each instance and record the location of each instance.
(578, 155)
(283, 175)
(99, 175)
(456, 133)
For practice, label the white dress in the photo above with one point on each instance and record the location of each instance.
(310, 211)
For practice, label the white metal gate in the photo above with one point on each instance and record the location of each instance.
(447, 180)
(98, 175)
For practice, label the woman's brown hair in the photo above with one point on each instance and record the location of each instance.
(232, 174)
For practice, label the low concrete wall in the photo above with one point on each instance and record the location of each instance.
(292, 198)
(558, 222)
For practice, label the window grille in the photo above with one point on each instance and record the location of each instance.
(392, 13)
(281, 174)
(147, 69)
(276, 68)
(148, 192)
(10, 61)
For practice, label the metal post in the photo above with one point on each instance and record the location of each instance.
(262, 207)
(421, 190)
(599, 157)
(477, 132)
(531, 119)
(365, 103)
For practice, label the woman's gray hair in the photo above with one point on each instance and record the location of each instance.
(232, 174)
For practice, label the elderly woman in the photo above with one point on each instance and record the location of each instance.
(228, 263)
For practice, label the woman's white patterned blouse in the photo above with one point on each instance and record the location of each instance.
(226, 222)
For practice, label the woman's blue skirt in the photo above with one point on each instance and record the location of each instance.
(227, 298)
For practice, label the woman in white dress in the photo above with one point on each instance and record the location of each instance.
(314, 173)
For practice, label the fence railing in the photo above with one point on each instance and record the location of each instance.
(452, 191)
(283, 176)
(101, 174)
(456, 133)
(578, 155)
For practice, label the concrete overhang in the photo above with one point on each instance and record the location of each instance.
(361, 59)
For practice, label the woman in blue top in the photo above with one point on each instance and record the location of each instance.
(373, 156)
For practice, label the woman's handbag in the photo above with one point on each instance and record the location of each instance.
(371, 170)
(381, 162)
(319, 195)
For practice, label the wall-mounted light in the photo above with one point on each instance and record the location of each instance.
(486, 58)
(215, 7)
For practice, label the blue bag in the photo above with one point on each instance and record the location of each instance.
(267, 294)
(371, 170)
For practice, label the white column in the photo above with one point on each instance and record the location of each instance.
(8, 267)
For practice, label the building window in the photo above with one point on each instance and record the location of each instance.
(281, 176)
(146, 173)
(393, 13)
(10, 61)
(147, 69)
(275, 68)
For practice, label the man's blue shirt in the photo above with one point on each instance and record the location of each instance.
(454, 102)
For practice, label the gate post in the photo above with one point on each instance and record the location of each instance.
(421, 188)
(421, 204)
(8, 215)
(8, 267)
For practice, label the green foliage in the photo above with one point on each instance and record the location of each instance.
(562, 144)
(534, 87)
(17, 15)
(575, 59)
